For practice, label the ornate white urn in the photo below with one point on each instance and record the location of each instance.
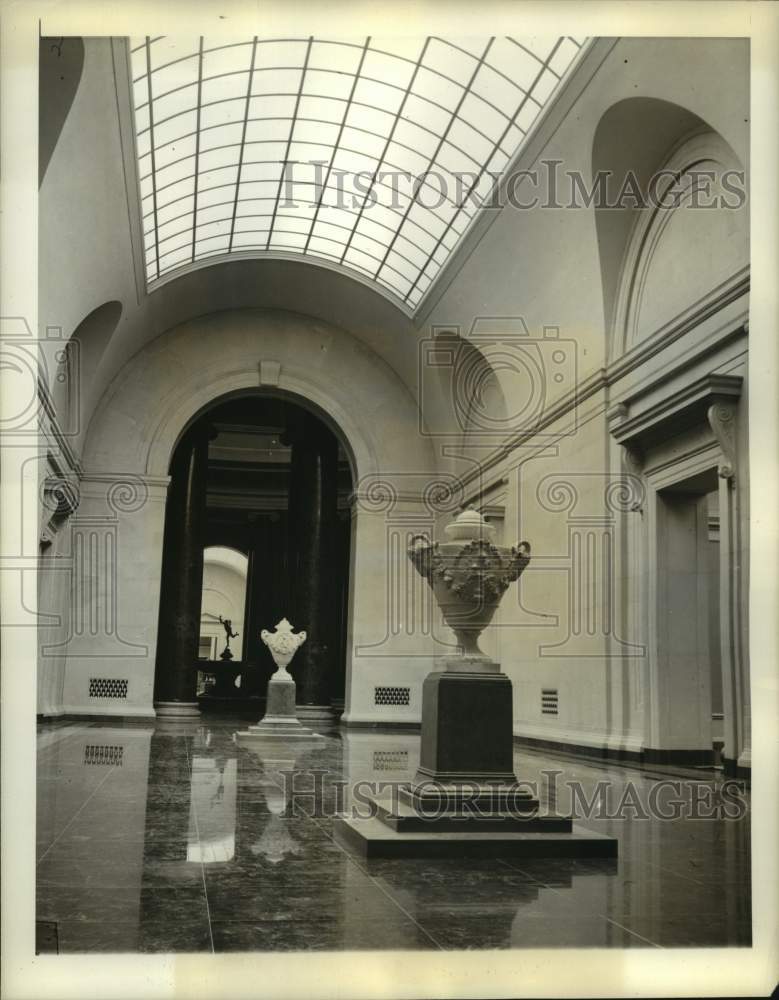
(468, 575)
(283, 643)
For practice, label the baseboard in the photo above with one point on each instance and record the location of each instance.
(380, 726)
(688, 758)
(645, 755)
(592, 749)
(81, 712)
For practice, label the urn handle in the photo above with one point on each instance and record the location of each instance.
(520, 557)
(423, 553)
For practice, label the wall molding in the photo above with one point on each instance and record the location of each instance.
(685, 408)
(603, 379)
(649, 226)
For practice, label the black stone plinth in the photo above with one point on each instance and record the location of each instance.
(466, 729)
(373, 838)
(433, 797)
(465, 799)
(403, 817)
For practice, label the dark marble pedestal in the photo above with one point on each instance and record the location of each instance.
(465, 798)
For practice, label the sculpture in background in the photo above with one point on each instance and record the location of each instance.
(227, 624)
(280, 721)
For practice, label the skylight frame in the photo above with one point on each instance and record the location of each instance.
(420, 241)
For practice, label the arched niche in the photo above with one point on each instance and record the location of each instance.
(77, 362)
(634, 141)
(689, 249)
(60, 64)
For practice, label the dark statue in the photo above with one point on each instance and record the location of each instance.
(226, 654)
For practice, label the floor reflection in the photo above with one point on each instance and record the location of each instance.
(174, 837)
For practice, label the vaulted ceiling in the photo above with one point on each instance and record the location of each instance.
(367, 155)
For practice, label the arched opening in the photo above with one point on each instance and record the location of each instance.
(261, 479)
(221, 638)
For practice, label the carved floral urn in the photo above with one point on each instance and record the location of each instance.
(468, 575)
(283, 643)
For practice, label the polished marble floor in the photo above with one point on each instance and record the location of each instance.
(173, 837)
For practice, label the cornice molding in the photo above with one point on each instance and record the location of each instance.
(602, 379)
(633, 425)
(52, 428)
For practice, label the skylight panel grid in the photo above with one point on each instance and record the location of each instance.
(370, 154)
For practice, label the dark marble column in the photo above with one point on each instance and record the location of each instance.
(267, 595)
(343, 545)
(182, 578)
(312, 548)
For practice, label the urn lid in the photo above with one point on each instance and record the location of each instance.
(469, 525)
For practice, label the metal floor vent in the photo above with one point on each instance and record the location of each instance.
(108, 687)
(549, 701)
(100, 753)
(390, 760)
(392, 696)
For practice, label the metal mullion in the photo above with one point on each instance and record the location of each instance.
(365, 253)
(395, 212)
(151, 145)
(152, 41)
(383, 225)
(357, 152)
(342, 100)
(338, 139)
(216, 187)
(291, 133)
(243, 140)
(175, 218)
(495, 69)
(433, 158)
(417, 67)
(191, 55)
(197, 144)
(173, 163)
(484, 167)
(532, 55)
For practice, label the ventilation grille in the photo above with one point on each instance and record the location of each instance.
(549, 701)
(390, 760)
(108, 687)
(104, 754)
(392, 696)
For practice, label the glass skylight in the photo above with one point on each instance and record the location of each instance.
(370, 154)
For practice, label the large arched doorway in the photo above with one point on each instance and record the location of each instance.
(264, 475)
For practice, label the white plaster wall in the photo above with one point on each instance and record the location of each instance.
(544, 266)
(167, 384)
